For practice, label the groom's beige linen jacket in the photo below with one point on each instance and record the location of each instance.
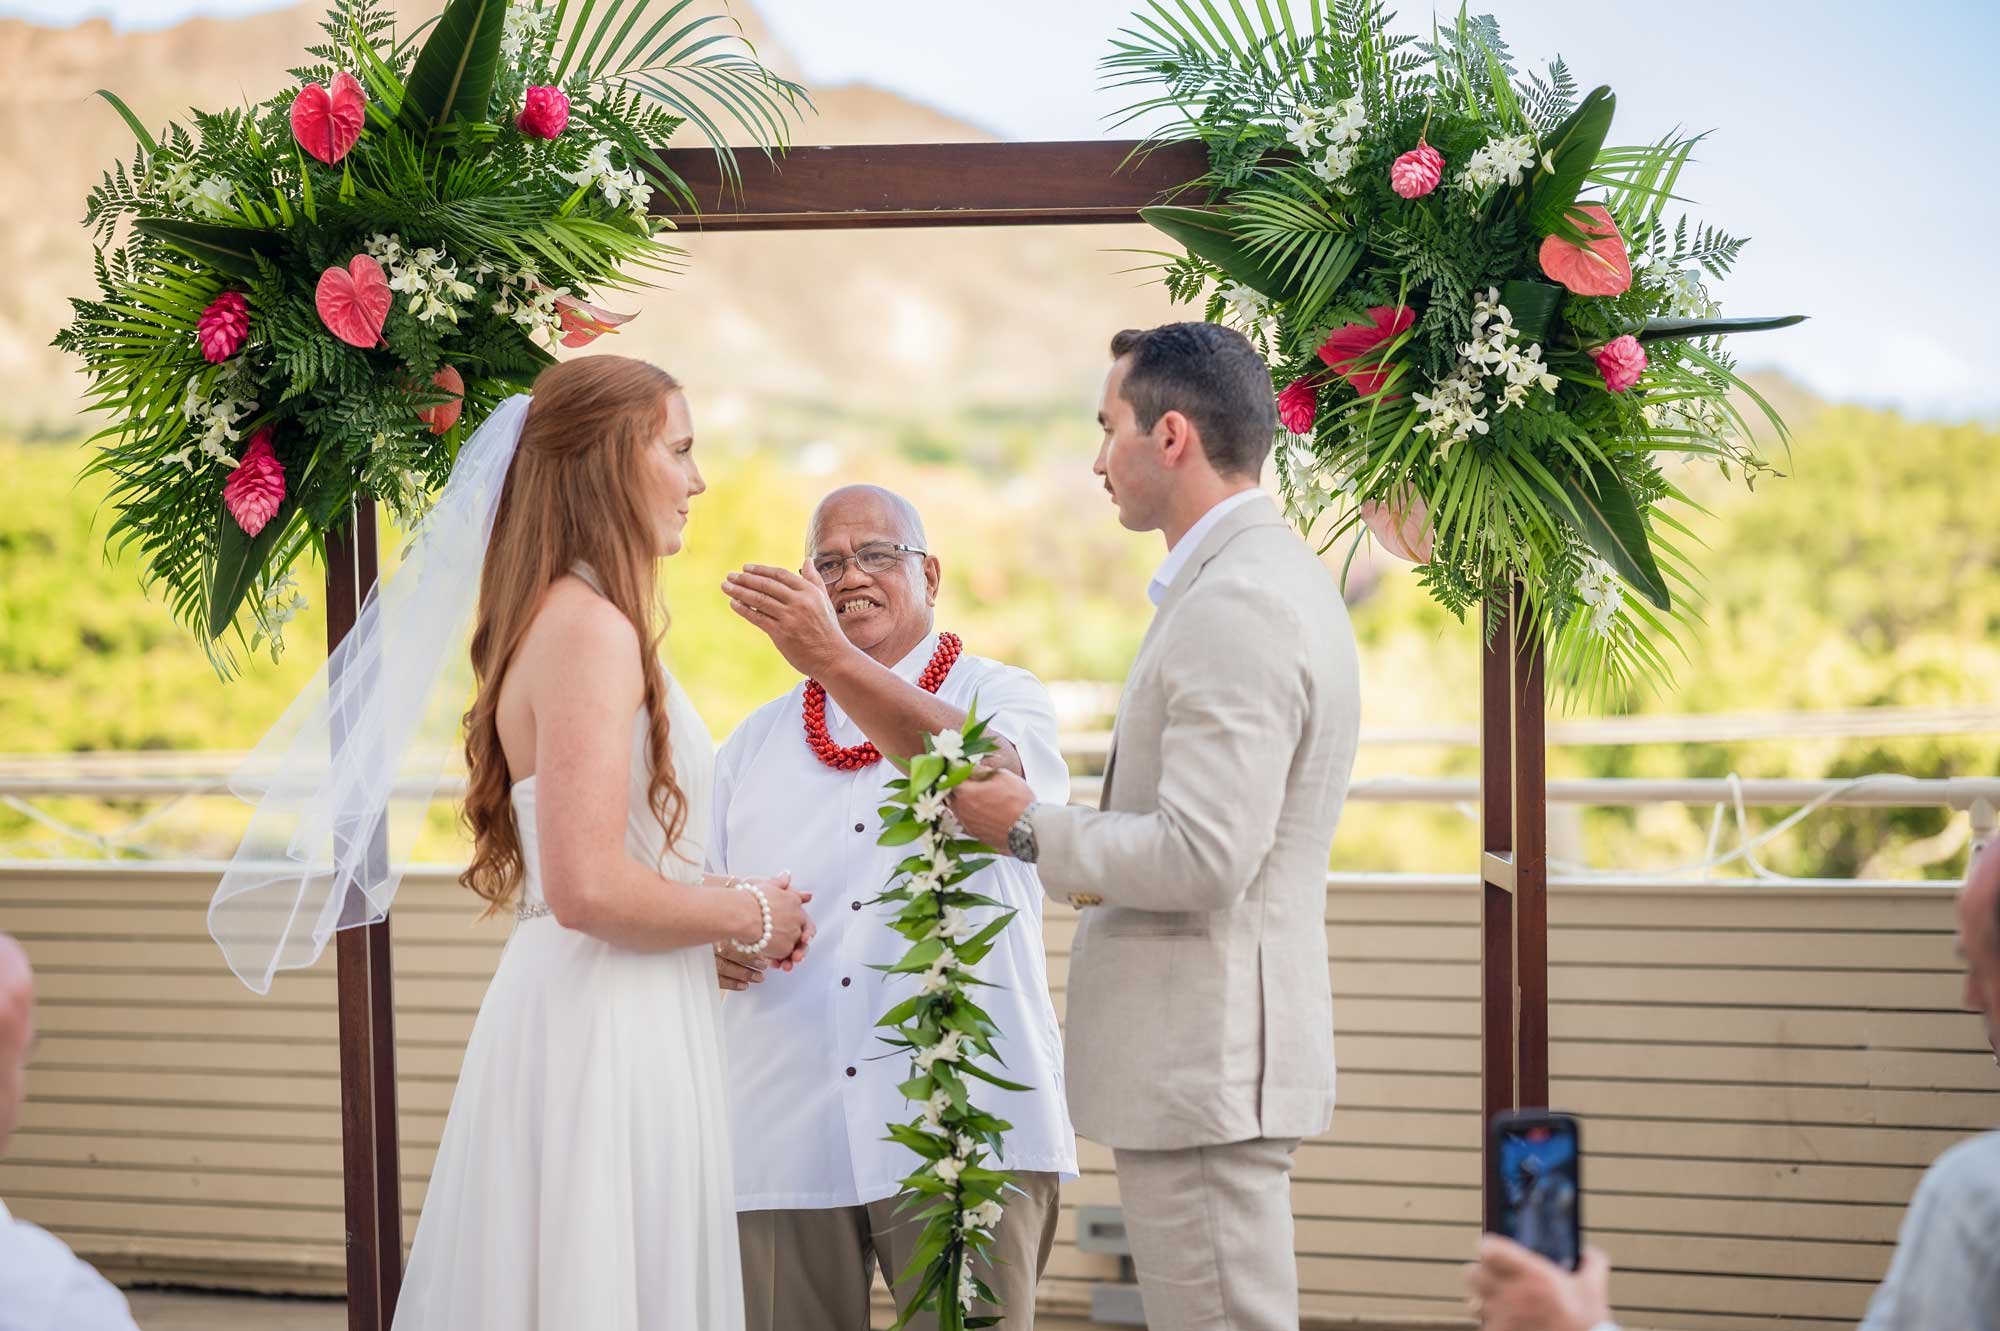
(1199, 1007)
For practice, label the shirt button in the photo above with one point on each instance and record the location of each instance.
(855, 905)
(861, 827)
(850, 1072)
(844, 981)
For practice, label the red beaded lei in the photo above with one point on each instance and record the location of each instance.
(854, 757)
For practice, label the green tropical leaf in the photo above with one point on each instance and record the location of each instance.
(1566, 159)
(239, 558)
(229, 249)
(1608, 520)
(138, 128)
(1212, 236)
(1533, 305)
(453, 76)
(1660, 330)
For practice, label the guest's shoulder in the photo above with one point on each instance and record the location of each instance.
(1967, 1177)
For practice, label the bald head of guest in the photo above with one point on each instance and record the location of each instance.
(1979, 940)
(17, 1032)
(867, 548)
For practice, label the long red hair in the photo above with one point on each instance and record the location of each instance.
(578, 492)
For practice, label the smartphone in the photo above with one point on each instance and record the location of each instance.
(1536, 1198)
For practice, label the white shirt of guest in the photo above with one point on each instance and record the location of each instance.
(46, 1287)
(1190, 541)
(811, 1085)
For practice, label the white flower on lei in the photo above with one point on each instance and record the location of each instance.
(983, 1216)
(929, 807)
(949, 745)
(936, 981)
(948, 1169)
(954, 925)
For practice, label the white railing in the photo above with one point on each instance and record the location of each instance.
(169, 781)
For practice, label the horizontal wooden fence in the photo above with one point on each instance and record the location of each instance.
(1763, 1072)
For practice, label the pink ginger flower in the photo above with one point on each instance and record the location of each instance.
(223, 327)
(1621, 361)
(256, 488)
(1417, 172)
(1298, 405)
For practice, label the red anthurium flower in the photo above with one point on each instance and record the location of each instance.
(327, 120)
(1352, 352)
(444, 415)
(583, 323)
(1603, 269)
(353, 302)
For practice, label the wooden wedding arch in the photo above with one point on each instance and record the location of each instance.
(967, 184)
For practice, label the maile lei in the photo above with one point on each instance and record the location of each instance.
(957, 1188)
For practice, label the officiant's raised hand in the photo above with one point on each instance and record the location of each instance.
(795, 611)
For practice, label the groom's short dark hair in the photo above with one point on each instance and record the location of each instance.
(1211, 375)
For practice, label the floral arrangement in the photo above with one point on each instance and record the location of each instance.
(943, 1029)
(1484, 333)
(310, 301)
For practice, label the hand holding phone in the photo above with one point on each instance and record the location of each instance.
(1536, 1197)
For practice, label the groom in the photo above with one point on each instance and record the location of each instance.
(1200, 1031)
(797, 786)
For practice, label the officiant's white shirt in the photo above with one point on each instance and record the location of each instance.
(811, 1085)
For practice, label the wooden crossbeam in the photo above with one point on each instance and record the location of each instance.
(928, 184)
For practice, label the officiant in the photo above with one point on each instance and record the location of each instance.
(797, 787)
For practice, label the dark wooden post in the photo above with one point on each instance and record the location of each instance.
(1514, 873)
(368, 1138)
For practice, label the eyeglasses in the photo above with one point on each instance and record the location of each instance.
(874, 560)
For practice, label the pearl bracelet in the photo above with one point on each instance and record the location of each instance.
(763, 905)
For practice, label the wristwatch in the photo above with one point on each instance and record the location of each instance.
(1021, 836)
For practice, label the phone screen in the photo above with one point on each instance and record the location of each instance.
(1540, 1185)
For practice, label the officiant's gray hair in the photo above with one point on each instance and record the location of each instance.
(1211, 375)
(905, 511)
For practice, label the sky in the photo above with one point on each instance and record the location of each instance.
(1851, 141)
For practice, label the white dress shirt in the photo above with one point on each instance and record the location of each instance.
(811, 1085)
(1190, 541)
(46, 1287)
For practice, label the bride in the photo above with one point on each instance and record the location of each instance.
(584, 1178)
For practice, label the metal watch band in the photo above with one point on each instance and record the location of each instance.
(1021, 837)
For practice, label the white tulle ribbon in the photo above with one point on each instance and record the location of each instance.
(342, 784)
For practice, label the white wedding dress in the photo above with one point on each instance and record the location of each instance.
(584, 1179)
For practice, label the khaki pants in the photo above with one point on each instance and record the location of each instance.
(812, 1270)
(1211, 1233)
